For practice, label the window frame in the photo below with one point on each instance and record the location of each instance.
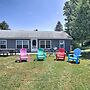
(27, 42)
(50, 43)
(22, 43)
(40, 43)
(45, 43)
(62, 43)
(6, 44)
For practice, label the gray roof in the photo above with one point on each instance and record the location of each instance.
(22, 34)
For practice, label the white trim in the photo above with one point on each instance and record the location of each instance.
(62, 43)
(45, 44)
(22, 43)
(6, 43)
(36, 44)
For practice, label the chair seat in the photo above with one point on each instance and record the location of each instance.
(41, 57)
(73, 58)
(60, 58)
(24, 57)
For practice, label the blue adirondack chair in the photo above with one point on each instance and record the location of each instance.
(41, 55)
(75, 56)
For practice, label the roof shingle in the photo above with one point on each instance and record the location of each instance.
(18, 34)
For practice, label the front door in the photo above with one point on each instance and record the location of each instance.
(34, 45)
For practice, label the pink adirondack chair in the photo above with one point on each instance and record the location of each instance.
(23, 55)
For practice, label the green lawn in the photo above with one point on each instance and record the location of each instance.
(43, 75)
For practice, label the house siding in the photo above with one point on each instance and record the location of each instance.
(44, 39)
(55, 43)
(11, 43)
(67, 45)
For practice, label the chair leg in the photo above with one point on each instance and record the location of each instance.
(76, 61)
(20, 60)
(68, 59)
(28, 59)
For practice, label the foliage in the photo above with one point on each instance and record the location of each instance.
(77, 14)
(4, 26)
(59, 26)
(67, 13)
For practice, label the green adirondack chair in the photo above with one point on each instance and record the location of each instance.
(41, 55)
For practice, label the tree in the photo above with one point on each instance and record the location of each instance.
(77, 19)
(67, 12)
(81, 23)
(4, 26)
(59, 26)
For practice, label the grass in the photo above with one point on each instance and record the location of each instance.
(43, 75)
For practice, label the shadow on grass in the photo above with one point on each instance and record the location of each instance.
(3, 55)
(59, 60)
(18, 61)
(73, 62)
(38, 60)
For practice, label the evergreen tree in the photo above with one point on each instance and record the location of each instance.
(67, 12)
(59, 26)
(4, 26)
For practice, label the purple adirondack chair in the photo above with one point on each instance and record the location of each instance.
(23, 55)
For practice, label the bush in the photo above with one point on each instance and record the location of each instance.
(86, 55)
(75, 45)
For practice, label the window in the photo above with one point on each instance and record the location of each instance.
(25, 44)
(19, 43)
(45, 44)
(42, 44)
(62, 44)
(3, 44)
(22, 44)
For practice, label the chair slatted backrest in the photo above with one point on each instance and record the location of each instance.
(77, 52)
(40, 51)
(23, 52)
(62, 50)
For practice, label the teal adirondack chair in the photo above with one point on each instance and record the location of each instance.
(41, 55)
(75, 56)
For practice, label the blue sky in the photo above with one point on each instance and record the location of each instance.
(32, 14)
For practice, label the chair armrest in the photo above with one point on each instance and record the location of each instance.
(44, 54)
(70, 55)
(80, 55)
